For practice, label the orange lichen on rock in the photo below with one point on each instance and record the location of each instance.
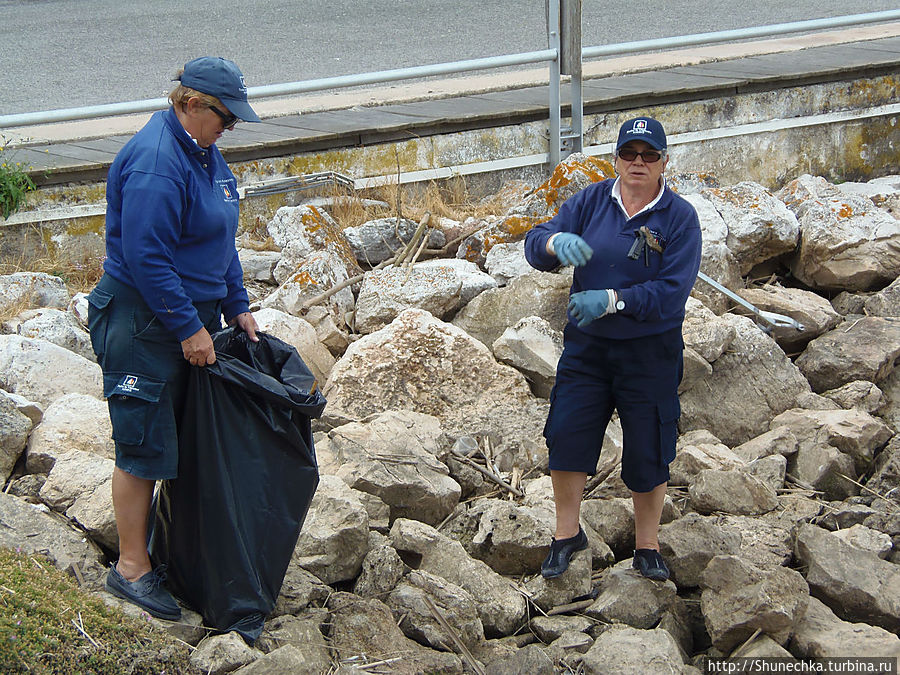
(304, 278)
(591, 167)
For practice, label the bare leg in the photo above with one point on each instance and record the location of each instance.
(131, 502)
(648, 508)
(568, 489)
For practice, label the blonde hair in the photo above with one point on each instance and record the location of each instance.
(180, 95)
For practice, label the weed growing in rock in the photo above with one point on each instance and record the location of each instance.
(15, 183)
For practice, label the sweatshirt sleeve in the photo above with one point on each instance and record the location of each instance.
(151, 227)
(569, 219)
(654, 299)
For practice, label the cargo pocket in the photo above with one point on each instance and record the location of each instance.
(133, 409)
(98, 319)
(669, 411)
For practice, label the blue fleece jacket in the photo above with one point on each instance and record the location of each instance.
(171, 219)
(654, 294)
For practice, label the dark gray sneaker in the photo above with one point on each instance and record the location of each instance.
(561, 552)
(650, 564)
(147, 592)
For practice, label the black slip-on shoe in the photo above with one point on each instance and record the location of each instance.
(561, 552)
(650, 564)
(147, 593)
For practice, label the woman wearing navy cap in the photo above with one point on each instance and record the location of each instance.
(171, 272)
(635, 246)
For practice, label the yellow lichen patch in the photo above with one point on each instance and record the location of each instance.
(845, 211)
(592, 167)
(304, 278)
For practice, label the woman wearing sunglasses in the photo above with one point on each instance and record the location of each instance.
(171, 272)
(635, 246)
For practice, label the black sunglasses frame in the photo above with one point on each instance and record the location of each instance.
(228, 121)
(655, 155)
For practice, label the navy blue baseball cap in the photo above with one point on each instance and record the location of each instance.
(644, 129)
(221, 78)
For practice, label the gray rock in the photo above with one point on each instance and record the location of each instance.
(824, 468)
(865, 350)
(778, 440)
(866, 539)
(627, 597)
(856, 584)
(770, 470)
(857, 394)
(530, 659)
(377, 240)
(286, 659)
(885, 302)
(812, 311)
(301, 336)
(765, 541)
(505, 262)
(14, 430)
(885, 477)
(299, 590)
(821, 634)
(42, 371)
(549, 628)
(533, 348)
(56, 326)
(739, 598)
(334, 538)
(735, 492)
(259, 265)
(220, 654)
(71, 422)
(623, 650)
(32, 289)
(575, 582)
(690, 542)
(382, 570)
(303, 632)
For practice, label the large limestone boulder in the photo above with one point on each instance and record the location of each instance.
(334, 538)
(14, 429)
(71, 422)
(805, 191)
(422, 364)
(735, 492)
(716, 259)
(622, 650)
(624, 596)
(316, 273)
(885, 302)
(377, 240)
(364, 628)
(821, 634)
(505, 262)
(885, 476)
(532, 347)
(300, 231)
(738, 598)
(812, 311)
(766, 541)
(751, 383)
(864, 350)
(760, 226)
(501, 607)
(856, 584)
(854, 432)
(847, 243)
(690, 542)
(539, 294)
(437, 287)
(393, 455)
(32, 529)
(259, 265)
(43, 371)
(32, 289)
(75, 474)
(53, 325)
(300, 334)
(825, 468)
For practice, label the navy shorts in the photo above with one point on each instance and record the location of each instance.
(144, 376)
(639, 378)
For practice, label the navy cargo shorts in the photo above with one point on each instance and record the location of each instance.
(639, 378)
(144, 376)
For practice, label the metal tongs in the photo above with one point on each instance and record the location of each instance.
(771, 319)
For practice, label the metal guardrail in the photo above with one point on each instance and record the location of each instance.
(551, 56)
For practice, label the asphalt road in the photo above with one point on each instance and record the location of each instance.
(70, 53)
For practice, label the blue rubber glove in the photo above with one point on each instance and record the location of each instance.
(571, 249)
(587, 306)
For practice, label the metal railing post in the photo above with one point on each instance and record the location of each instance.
(570, 64)
(555, 135)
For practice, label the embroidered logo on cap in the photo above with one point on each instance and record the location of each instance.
(639, 127)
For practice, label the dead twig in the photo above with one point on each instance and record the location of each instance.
(463, 650)
(570, 607)
(80, 626)
(488, 474)
(870, 491)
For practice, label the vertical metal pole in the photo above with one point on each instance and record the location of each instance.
(553, 30)
(570, 60)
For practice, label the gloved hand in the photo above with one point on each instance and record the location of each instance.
(586, 306)
(571, 249)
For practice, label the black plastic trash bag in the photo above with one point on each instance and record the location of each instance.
(227, 526)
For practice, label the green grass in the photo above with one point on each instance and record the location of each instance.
(49, 625)
(15, 183)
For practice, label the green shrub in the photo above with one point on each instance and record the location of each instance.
(49, 625)
(15, 183)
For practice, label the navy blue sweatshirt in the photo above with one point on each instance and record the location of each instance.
(171, 218)
(654, 293)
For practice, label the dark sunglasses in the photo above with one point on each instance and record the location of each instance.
(229, 120)
(649, 156)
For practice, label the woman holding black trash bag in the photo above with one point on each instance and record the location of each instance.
(635, 246)
(171, 272)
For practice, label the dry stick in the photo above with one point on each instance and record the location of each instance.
(571, 607)
(464, 651)
(488, 474)
(880, 496)
(414, 241)
(80, 626)
(746, 642)
(376, 664)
